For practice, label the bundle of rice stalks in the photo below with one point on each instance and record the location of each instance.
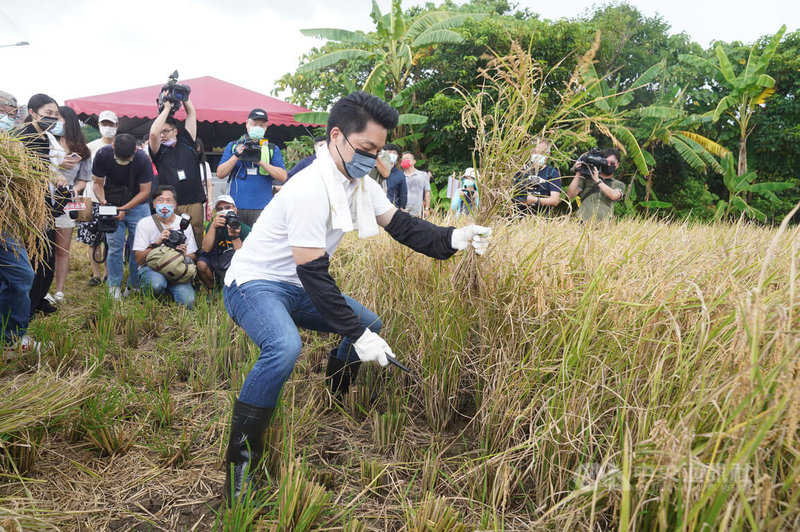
(24, 181)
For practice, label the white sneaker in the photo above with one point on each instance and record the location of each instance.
(115, 292)
(51, 299)
(23, 346)
(59, 297)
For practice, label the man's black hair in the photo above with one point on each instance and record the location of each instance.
(411, 153)
(320, 138)
(171, 121)
(609, 152)
(124, 145)
(164, 188)
(351, 114)
(392, 147)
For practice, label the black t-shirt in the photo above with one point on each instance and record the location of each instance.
(121, 180)
(182, 156)
(30, 137)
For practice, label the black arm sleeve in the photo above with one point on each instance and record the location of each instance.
(328, 299)
(421, 236)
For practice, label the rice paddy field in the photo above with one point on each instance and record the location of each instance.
(639, 375)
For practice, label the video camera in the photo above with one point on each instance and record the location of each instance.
(251, 152)
(592, 159)
(173, 92)
(178, 237)
(61, 197)
(106, 221)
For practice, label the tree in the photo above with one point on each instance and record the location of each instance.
(748, 90)
(393, 49)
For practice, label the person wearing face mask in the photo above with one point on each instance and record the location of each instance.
(38, 132)
(396, 189)
(305, 163)
(108, 124)
(601, 191)
(122, 176)
(418, 184)
(151, 233)
(251, 183)
(537, 187)
(279, 279)
(8, 111)
(174, 153)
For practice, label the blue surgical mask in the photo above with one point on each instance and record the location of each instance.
(256, 132)
(58, 129)
(165, 210)
(360, 165)
(6, 122)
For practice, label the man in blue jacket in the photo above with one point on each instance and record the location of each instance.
(252, 175)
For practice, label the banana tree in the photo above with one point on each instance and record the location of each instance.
(739, 186)
(749, 89)
(395, 47)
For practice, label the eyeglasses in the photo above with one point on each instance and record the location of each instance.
(165, 132)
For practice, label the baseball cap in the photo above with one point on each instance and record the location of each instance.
(7, 99)
(223, 197)
(111, 116)
(257, 114)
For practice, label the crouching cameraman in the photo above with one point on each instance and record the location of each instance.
(596, 185)
(165, 248)
(223, 237)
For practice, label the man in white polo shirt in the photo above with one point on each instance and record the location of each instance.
(279, 280)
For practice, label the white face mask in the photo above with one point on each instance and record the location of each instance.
(393, 157)
(538, 158)
(108, 132)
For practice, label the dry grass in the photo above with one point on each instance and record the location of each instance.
(637, 372)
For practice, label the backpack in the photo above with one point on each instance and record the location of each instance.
(171, 263)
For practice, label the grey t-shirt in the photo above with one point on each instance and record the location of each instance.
(417, 183)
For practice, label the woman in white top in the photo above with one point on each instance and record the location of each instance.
(69, 147)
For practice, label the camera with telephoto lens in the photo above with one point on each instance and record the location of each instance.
(173, 92)
(592, 159)
(232, 220)
(251, 152)
(178, 237)
(106, 221)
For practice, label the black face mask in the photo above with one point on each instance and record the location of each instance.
(607, 169)
(47, 122)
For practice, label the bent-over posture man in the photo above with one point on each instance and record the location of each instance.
(279, 281)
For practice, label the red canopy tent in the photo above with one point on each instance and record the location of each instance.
(222, 110)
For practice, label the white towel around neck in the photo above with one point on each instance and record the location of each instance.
(341, 215)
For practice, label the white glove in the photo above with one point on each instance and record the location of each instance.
(370, 347)
(476, 235)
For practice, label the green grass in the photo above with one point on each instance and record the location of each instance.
(635, 375)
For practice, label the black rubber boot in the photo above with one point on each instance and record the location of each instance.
(340, 375)
(245, 447)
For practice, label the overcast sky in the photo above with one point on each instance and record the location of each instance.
(82, 48)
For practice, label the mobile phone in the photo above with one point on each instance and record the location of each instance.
(74, 155)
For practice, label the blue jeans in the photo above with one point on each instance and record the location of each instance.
(116, 247)
(270, 313)
(151, 281)
(16, 278)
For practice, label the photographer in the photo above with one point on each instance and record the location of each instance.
(174, 152)
(594, 182)
(122, 176)
(253, 166)
(467, 200)
(537, 188)
(224, 236)
(164, 228)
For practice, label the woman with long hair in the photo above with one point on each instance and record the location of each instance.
(71, 182)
